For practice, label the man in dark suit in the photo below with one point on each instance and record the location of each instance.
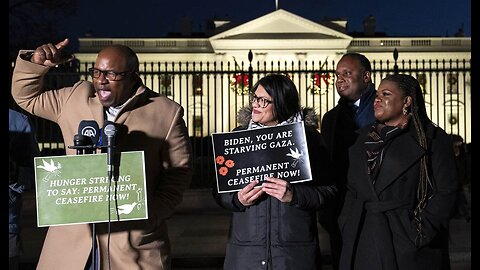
(354, 110)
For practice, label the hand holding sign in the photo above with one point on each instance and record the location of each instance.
(243, 157)
(278, 188)
(249, 194)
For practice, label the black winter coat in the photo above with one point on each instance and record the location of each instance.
(377, 219)
(275, 235)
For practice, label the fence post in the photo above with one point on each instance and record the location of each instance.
(395, 57)
(250, 71)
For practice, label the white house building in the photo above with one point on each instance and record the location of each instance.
(206, 74)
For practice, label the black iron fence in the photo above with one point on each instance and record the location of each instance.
(213, 92)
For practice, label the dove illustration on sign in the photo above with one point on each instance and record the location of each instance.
(126, 208)
(296, 155)
(51, 169)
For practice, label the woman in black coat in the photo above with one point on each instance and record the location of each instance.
(274, 227)
(402, 186)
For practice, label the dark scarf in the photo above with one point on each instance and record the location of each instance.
(378, 138)
(364, 114)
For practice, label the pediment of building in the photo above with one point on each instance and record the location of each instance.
(266, 32)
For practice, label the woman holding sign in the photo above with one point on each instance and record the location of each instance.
(274, 223)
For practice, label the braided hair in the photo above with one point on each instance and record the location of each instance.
(410, 87)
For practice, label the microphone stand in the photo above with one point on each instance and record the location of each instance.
(110, 130)
(82, 145)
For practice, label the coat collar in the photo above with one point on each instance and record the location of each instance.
(310, 117)
(98, 113)
(400, 155)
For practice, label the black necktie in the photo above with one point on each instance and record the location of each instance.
(355, 114)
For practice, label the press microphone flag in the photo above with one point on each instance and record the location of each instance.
(85, 141)
(90, 129)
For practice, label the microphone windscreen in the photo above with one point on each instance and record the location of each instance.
(109, 128)
(90, 129)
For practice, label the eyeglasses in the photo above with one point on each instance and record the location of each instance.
(262, 102)
(108, 74)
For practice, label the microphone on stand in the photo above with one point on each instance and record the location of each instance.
(110, 130)
(85, 141)
(90, 129)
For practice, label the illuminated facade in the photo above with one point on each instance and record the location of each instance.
(284, 41)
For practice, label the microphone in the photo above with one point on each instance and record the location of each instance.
(79, 143)
(110, 130)
(90, 129)
(85, 141)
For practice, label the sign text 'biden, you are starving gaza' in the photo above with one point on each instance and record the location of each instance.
(248, 155)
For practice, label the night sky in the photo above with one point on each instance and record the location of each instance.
(155, 18)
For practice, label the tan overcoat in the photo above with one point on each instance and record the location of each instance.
(151, 123)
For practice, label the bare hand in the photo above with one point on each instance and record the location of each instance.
(278, 188)
(249, 194)
(51, 55)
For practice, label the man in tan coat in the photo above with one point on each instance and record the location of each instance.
(154, 124)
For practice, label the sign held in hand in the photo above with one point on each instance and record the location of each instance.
(248, 155)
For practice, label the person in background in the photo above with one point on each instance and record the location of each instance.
(402, 186)
(354, 110)
(463, 166)
(153, 124)
(274, 227)
(22, 149)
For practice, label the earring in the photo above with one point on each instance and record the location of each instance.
(404, 111)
